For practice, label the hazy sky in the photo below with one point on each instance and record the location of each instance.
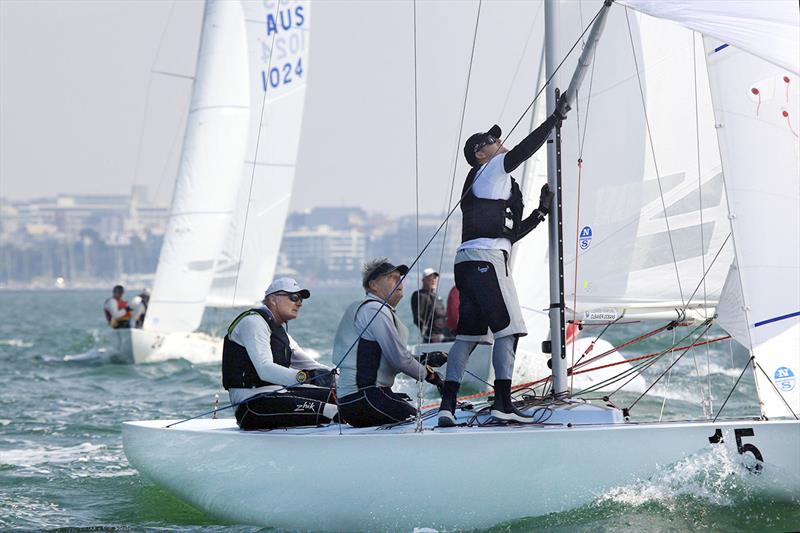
(77, 94)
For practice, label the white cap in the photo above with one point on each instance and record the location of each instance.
(428, 271)
(287, 285)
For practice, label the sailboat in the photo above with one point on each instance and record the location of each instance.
(234, 180)
(582, 448)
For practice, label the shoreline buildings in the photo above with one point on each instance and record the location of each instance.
(91, 241)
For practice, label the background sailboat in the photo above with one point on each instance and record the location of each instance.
(234, 179)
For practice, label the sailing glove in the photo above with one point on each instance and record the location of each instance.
(562, 108)
(434, 378)
(434, 359)
(545, 198)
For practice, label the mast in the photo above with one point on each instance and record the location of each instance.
(558, 351)
(555, 248)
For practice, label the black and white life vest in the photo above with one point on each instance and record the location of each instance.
(485, 218)
(238, 371)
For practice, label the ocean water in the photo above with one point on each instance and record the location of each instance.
(62, 466)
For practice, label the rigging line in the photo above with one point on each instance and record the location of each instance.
(700, 196)
(702, 280)
(555, 71)
(669, 368)
(140, 143)
(653, 153)
(255, 158)
(625, 344)
(172, 146)
(460, 131)
(455, 151)
(775, 388)
(733, 388)
(669, 379)
(597, 338)
(416, 194)
(641, 367)
(522, 58)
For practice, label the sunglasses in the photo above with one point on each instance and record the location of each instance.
(293, 296)
(487, 140)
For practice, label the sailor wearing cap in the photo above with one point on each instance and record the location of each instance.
(427, 308)
(379, 352)
(260, 360)
(491, 208)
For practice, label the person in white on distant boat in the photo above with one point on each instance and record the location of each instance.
(139, 308)
(376, 340)
(492, 206)
(116, 310)
(272, 379)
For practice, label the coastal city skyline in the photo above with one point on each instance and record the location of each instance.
(82, 241)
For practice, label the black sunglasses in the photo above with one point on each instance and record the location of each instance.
(293, 296)
(486, 141)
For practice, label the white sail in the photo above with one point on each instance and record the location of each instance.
(767, 28)
(758, 118)
(208, 175)
(278, 47)
(650, 215)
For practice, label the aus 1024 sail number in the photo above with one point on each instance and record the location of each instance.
(282, 75)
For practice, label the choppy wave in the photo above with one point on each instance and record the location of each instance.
(16, 343)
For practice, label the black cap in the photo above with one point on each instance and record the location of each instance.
(381, 270)
(476, 140)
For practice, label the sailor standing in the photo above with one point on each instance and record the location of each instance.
(274, 381)
(491, 208)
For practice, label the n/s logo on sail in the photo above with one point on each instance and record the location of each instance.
(784, 379)
(585, 237)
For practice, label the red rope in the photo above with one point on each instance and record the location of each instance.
(575, 277)
(574, 372)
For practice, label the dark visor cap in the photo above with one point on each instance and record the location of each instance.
(476, 141)
(382, 270)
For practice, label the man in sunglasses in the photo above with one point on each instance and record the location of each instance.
(370, 347)
(272, 379)
(491, 207)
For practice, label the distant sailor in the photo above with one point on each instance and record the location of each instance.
(260, 359)
(379, 352)
(139, 308)
(491, 208)
(117, 310)
(427, 309)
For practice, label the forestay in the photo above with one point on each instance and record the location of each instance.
(756, 107)
(649, 217)
(208, 175)
(278, 47)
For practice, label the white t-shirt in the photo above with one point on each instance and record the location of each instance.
(492, 183)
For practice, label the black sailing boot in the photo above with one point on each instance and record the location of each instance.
(503, 409)
(447, 409)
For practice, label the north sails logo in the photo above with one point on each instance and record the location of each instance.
(784, 379)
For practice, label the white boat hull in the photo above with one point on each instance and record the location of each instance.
(369, 480)
(145, 346)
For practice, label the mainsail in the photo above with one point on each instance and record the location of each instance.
(278, 47)
(207, 181)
